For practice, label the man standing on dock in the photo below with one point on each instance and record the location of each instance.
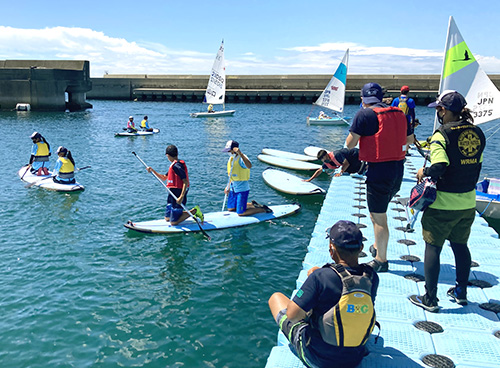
(383, 133)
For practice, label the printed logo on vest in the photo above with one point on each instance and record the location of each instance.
(469, 143)
(357, 308)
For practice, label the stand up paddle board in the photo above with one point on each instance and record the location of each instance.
(288, 155)
(313, 151)
(288, 183)
(46, 182)
(138, 133)
(213, 221)
(288, 164)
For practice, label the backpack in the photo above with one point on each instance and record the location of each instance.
(350, 322)
(422, 195)
(403, 105)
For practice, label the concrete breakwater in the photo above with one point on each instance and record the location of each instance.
(257, 88)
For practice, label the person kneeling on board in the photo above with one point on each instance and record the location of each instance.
(332, 315)
(64, 171)
(131, 125)
(40, 153)
(177, 179)
(346, 159)
(145, 125)
(238, 188)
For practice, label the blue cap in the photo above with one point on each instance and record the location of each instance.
(372, 93)
(345, 234)
(450, 100)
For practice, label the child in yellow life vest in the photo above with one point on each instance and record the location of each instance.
(64, 170)
(145, 125)
(40, 153)
(238, 170)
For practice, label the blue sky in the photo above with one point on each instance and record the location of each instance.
(261, 36)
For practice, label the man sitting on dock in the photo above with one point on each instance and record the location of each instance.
(319, 321)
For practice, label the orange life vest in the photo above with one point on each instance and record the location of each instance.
(334, 164)
(389, 143)
(174, 180)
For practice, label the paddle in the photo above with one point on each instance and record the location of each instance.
(184, 207)
(51, 177)
(27, 168)
(228, 183)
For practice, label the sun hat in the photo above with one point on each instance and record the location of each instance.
(230, 145)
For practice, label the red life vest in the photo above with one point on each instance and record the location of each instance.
(334, 164)
(389, 143)
(174, 180)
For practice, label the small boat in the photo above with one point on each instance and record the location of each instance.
(46, 181)
(488, 198)
(216, 89)
(333, 98)
(138, 133)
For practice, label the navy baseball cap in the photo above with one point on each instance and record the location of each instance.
(372, 93)
(345, 234)
(450, 100)
(230, 145)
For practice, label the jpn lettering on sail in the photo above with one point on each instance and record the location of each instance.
(462, 73)
(216, 88)
(333, 95)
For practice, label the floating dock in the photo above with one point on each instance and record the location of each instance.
(462, 337)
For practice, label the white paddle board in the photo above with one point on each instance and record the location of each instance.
(288, 155)
(213, 221)
(46, 182)
(288, 164)
(288, 183)
(312, 151)
(138, 133)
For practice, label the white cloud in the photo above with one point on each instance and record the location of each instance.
(120, 56)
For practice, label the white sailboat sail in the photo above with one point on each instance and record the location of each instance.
(334, 93)
(216, 89)
(462, 73)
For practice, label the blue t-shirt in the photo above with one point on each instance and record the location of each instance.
(321, 291)
(365, 123)
(411, 107)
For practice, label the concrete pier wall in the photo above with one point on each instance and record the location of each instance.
(46, 85)
(258, 88)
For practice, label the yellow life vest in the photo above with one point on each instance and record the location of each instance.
(238, 173)
(143, 123)
(67, 168)
(42, 152)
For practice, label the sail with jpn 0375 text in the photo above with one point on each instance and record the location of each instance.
(462, 73)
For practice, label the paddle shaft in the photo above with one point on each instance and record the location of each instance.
(228, 186)
(182, 205)
(27, 168)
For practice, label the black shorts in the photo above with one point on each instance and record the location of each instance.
(380, 193)
(441, 225)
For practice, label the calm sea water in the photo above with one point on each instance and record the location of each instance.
(80, 290)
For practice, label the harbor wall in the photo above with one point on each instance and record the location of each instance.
(257, 88)
(46, 85)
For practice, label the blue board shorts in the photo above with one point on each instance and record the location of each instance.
(238, 201)
(173, 213)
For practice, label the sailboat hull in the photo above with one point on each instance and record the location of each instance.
(212, 114)
(330, 121)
